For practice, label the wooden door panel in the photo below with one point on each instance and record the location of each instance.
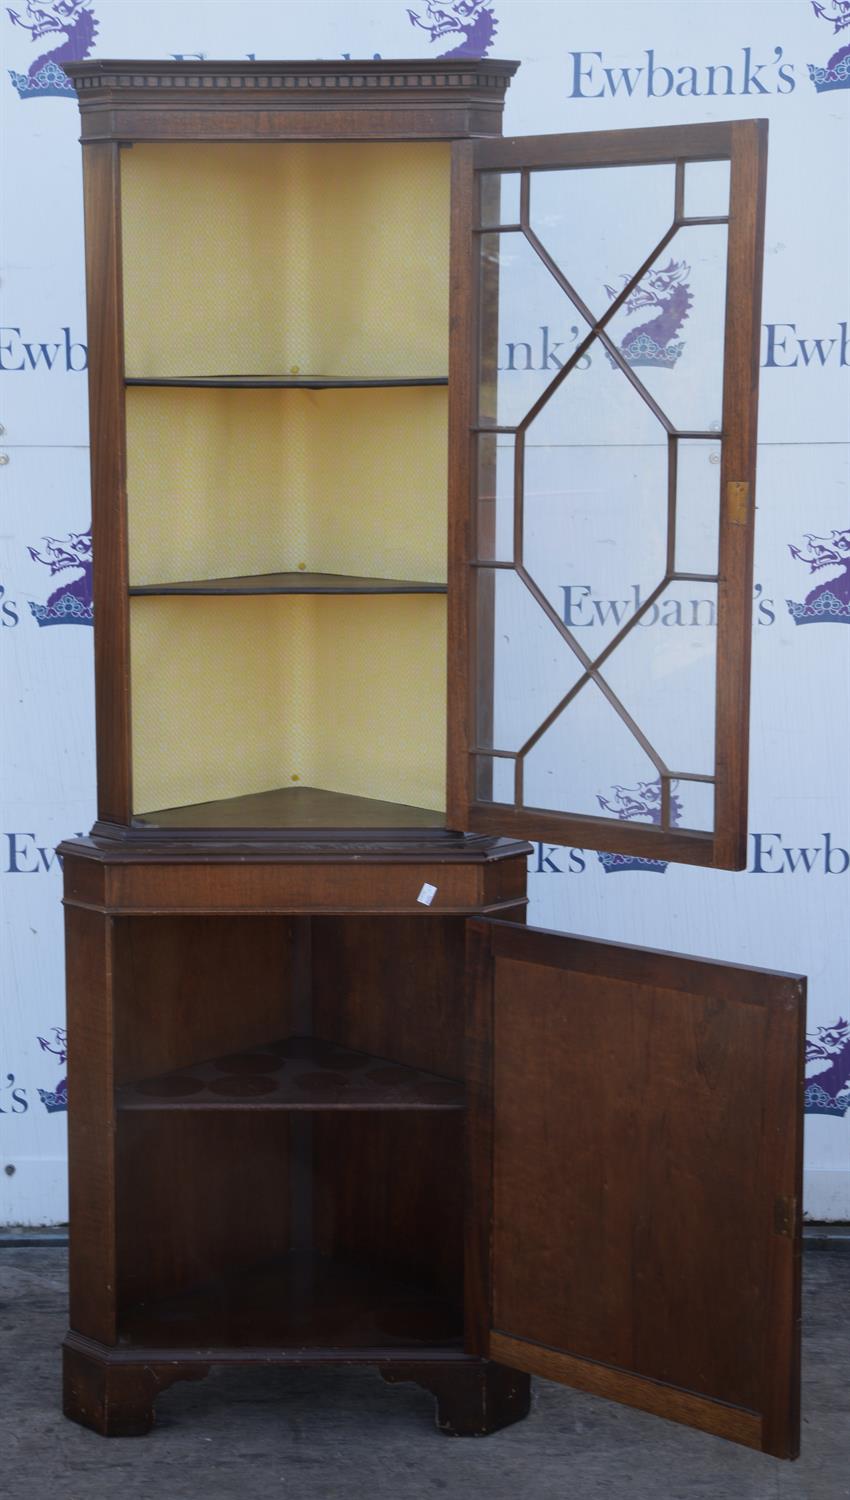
(641, 1117)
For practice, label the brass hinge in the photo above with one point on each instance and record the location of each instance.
(785, 1216)
(738, 502)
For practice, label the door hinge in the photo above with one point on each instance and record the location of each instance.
(785, 1216)
(738, 502)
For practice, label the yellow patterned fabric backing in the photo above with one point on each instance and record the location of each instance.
(239, 695)
(286, 258)
(225, 482)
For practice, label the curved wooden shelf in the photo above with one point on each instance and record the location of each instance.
(286, 382)
(300, 1073)
(287, 583)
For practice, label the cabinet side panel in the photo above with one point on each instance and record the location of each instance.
(192, 988)
(102, 194)
(91, 1123)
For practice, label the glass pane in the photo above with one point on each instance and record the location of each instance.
(697, 506)
(499, 199)
(495, 538)
(693, 805)
(580, 494)
(664, 674)
(587, 751)
(525, 667)
(529, 328)
(671, 328)
(706, 189)
(595, 501)
(495, 779)
(600, 224)
(638, 803)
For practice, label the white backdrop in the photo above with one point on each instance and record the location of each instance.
(584, 67)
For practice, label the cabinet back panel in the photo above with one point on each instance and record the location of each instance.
(199, 1195)
(232, 696)
(388, 1192)
(189, 988)
(286, 258)
(229, 482)
(392, 986)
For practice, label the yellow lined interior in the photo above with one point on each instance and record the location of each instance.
(226, 482)
(286, 259)
(238, 695)
(311, 258)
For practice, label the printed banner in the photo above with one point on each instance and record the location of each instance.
(584, 67)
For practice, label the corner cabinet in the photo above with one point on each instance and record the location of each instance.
(331, 1099)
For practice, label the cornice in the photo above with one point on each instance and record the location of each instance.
(120, 77)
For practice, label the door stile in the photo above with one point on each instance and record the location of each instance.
(785, 1061)
(462, 340)
(747, 193)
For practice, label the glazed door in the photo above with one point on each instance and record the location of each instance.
(606, 317)
(635, 1175)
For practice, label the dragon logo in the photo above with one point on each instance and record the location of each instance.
(71, 603)
(71, 19)
(637, 804)
(55, 1100)
(829, 601)
(835, 74)
(828, 1069)
(665, 291)
(471, 24)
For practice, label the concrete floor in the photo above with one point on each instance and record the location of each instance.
(335, 1434)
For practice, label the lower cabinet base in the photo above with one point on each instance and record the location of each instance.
(113, 1390)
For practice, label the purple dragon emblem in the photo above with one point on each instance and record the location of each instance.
(835, 74)
(71, 603)
(828, 1069)
(829, 601)
(55, 1100)
(638, 804)
(470, 23)
(71, 19)
(665, 290)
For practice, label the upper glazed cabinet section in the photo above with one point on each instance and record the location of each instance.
(611, 323)
(268, 284)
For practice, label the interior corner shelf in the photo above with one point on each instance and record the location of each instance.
(290, 807)
(301, 1073)
(289, 583)
(287, 382)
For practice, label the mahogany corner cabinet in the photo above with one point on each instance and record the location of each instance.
(331, 1099)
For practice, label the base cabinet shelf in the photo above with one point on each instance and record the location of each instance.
(296, 1073)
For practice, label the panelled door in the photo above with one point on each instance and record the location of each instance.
(635, 1163)
(605, 344)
